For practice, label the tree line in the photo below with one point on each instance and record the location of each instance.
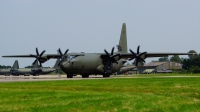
(4, 67)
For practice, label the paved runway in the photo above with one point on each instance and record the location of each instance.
(43, 78)
(64, 77)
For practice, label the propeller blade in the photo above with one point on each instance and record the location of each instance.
(60, 51)
(140, 59)
(132, 52)
(142, 53)
(116, 55)
(66, 51)
(59, 64)
(138, 50)
(42, 53)
(35, 61)
(136, 62)
(40, 64)
(106, 52)
(112, 50)
(115, 61)
(37, 51)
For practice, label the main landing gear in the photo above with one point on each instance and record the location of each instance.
(106, 75)
(69, 75)
(85, 75)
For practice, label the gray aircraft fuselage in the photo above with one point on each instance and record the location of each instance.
(46, 71)
(89, 63)
(22, 71)
(26, 71)
(4, 71)
(15, 72)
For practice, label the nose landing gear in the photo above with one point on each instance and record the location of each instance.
(85, 75)
(69, 75)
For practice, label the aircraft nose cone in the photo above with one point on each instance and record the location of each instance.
(73, 63)
(65, 65)
(68, 65)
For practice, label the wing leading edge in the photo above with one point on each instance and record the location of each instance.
(45, 56)
(122, 55)
(149, 55)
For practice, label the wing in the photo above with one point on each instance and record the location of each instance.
(151, 55)
(103, 55)
(148, 55)
(44, 56)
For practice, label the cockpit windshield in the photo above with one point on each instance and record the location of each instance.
(71, 57)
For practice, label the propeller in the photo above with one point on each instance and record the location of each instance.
(111, 56)
(62, 56)
(137, 56)
(38, 57)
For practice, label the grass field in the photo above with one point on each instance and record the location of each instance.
(104, 95)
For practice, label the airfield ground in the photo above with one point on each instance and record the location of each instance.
(23, 78)
(139, 93)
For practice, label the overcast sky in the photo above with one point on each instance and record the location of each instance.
(94, 25)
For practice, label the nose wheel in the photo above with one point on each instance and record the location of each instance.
(85, 75)
(69, 75)
(106, 75)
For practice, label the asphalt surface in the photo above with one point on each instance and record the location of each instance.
(64, 77)
(11, 78)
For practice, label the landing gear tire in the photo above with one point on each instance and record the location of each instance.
(69, 75)
(106, 75)
(85, 76)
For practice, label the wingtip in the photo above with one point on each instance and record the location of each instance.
(5, 56)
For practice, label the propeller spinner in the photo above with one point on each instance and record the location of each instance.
(111, 56)
(38, 57)
(137, 56)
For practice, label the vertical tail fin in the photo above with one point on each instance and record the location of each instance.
(35, 65)
(16, 65)
(122, 47)
(56, 64)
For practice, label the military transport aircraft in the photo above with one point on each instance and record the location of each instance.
(105, 63)
(35, 70)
